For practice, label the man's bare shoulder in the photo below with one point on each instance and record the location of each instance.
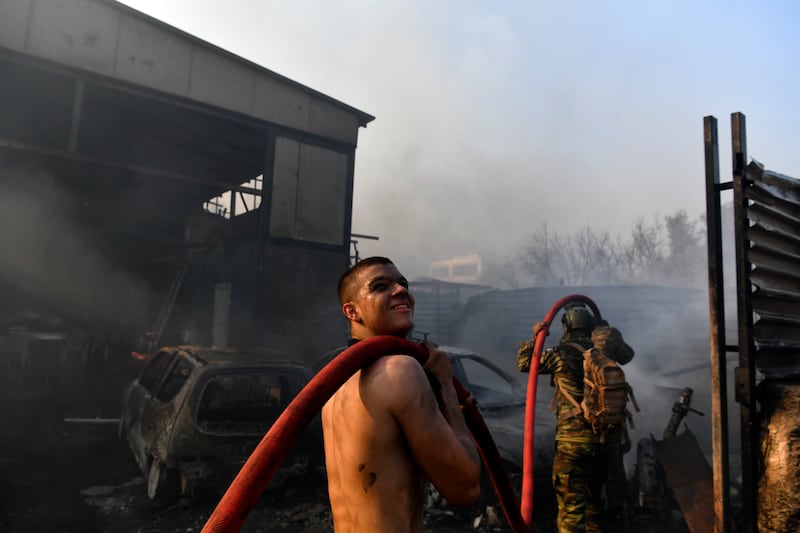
(395, 368)
(395, 379)
(399, 363)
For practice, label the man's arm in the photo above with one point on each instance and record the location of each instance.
(434, 427)
(440, 367)
(525, 351)
(524, 356)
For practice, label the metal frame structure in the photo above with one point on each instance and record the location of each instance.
(127, 127)
(766, 212)
(744, 374)
(716, 296)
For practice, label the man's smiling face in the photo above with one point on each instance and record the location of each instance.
(381, 303)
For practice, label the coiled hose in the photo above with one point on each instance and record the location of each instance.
(526, 509)
(251, 481)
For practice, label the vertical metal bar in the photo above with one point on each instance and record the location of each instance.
(265, 212)
(439, 335)
(348, 201)
(77, 111)
(259, 302)
(716, 303)
(745, 372)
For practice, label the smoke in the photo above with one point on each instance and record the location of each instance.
(51, 257)
(667, 328)
(492, 119)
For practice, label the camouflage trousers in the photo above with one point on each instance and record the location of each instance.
(617, 482)
(579, 471)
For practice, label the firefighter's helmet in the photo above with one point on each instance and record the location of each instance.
(578, 318)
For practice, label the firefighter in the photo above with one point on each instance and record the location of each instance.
(609, 341)
(584, 461)
(580, 463)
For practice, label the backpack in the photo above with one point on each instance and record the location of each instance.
(605, 393)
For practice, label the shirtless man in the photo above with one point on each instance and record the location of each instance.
(385, 429)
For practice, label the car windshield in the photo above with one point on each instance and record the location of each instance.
(485, 383)
(246, 400)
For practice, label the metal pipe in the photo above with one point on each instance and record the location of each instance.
(716, 304)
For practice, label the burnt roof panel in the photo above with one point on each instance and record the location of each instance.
(111, 39)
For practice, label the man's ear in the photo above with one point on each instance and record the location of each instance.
(350, 311)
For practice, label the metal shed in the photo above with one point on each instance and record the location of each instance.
(153, 182)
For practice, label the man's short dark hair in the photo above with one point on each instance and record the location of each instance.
(347, 280)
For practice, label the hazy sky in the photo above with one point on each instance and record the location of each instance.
(495, 117)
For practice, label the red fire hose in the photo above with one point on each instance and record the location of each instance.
(526, 509)
(245, 490)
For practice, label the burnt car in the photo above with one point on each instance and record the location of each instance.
(195, 414)
(501, 400)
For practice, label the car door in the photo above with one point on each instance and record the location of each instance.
(159, 413)
(139, 394)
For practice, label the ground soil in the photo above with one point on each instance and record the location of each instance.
(67, 477)
(60, 476)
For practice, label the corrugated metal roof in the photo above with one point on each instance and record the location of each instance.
(108, 38)
(663, 324)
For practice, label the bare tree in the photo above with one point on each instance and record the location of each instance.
(686, 260)
(598, 255)
(586, 258)
(543, 257)
(593, 257)
(642, 257)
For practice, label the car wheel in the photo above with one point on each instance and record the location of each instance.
(163, 483)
